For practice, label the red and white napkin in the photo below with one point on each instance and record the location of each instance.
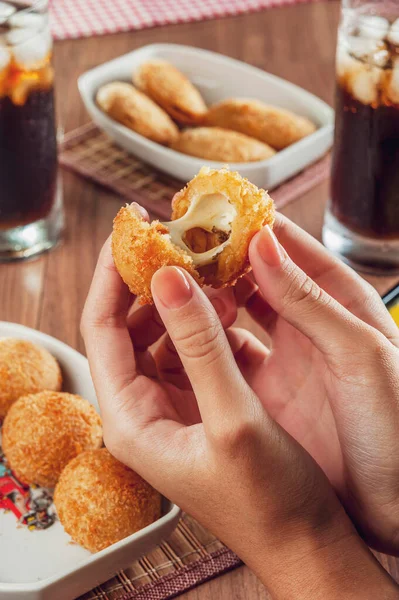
(85, 18)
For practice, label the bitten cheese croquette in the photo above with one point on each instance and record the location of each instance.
(274, 126)
(135, 110)
(43, 432)
(25, 368)
(213, 221)
(171, 89)
(100, 501)
(214, 143)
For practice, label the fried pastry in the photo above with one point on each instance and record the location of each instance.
(271, 125)
(122, 102)
(213, 221)
(25, 368)
(169, 88)
(100, 501)
(42, 432)
(215, 143)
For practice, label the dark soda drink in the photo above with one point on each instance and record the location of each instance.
(362, 220)
(28, 148)
(365, 172)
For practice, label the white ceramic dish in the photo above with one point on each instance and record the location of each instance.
(217, 77)
(44, 565)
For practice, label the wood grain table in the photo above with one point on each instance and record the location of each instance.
(296, 43)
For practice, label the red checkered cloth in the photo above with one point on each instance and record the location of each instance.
(85, 18)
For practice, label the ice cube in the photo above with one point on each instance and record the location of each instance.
(33, 52)
(345, 61)
(365, 49)
(393, 35)
(18, 36)
(5, 58)
(365, 83)
(375, 28)
(393, 90)
(6, 10)
(27, 20)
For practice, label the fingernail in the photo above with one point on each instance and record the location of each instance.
(141, 210)
(218, 305)
(172, 287)
(269, 248)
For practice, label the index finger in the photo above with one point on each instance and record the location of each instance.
(339, 280)
(108, 343)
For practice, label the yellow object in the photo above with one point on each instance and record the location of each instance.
(394, 310)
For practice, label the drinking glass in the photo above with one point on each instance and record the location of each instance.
(31, 215)
(362, 219)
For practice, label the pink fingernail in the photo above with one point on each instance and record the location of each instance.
(141, 210)
(269, 247)
(172, 287)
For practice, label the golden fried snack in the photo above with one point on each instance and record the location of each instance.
(224, 145)
(169, 88)
(271, 125)
(43, 432)
(25, 368)
(122, 102)
(99, 501)
(213, 221)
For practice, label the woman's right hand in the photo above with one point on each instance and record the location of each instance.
(332, 377)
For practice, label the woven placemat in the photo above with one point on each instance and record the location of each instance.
(189, 557)
(91, 153)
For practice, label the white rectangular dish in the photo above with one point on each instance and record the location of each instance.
(217, 77)
(44, 564)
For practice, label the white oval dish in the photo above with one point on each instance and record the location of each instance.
(45, 565)
(217, 77)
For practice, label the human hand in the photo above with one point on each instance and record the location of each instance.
(332, 378)
(215, 450)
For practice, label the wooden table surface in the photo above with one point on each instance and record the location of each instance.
(296, 43)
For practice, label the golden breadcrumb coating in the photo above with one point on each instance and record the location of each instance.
(122, 102)
(43, 432)
(25, 368)
(100, 501)
(274, 126)
(254, 209)
(224, 145)
(169, 88)
(140, 249)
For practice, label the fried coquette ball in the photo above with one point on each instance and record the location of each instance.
(122, 102)
(43, 432)
(169, 88)
(211, 241)
(25, 368)
(274, 126)
(215, 143)
(100, 501)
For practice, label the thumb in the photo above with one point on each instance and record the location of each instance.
(201, 343)
(299, 300)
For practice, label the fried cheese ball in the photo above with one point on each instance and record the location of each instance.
(43, 432)
(169, 88)
(100, 501)
(213, 221)
(274, 126)
(122, 102)
(25, 368)
(215, 143)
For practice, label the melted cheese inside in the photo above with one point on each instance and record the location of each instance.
(210, 212)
